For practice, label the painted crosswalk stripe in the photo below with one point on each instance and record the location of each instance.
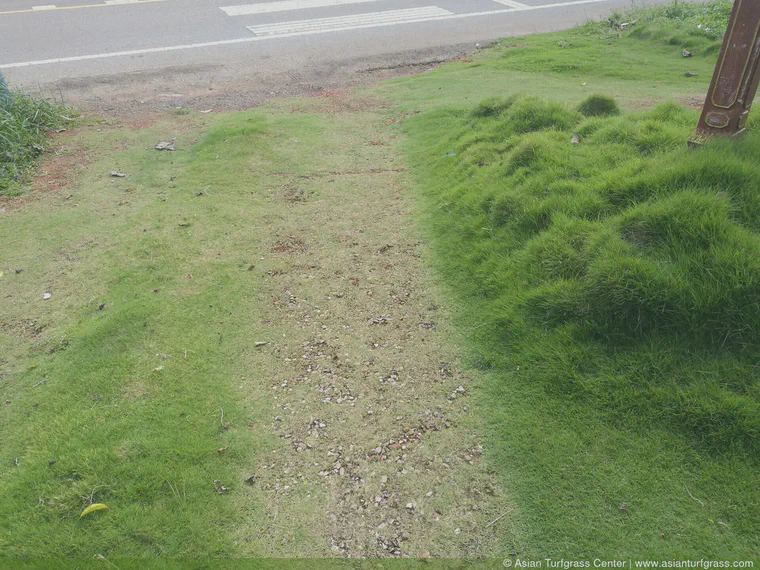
(46, 7)
(353, 22)
(285, 6)
(512, 4)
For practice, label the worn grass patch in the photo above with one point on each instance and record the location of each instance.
(234, 372)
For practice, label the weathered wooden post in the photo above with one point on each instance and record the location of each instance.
(736, 76)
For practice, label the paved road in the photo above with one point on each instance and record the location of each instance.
(114, 49)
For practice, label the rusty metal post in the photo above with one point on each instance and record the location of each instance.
(736, 76)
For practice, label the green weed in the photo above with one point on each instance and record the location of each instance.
(24, 124)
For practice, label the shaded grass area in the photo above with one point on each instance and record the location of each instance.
(610, 287)
(24, 124)
(119, 389)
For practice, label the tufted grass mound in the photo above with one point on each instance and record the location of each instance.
(612, 287)
(626, 238)
(599, 106)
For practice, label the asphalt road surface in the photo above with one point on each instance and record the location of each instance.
(101, 52)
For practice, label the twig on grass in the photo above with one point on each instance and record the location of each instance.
(497, 519)
(692, 496)
(101, 557)
(92, 493)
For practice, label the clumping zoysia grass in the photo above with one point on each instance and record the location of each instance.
(626, 238)
(610, 286)
(613, 289)
(599, 106)
(24, 124)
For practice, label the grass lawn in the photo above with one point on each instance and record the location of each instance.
(609, 287)
(111, 388)
(606, 300)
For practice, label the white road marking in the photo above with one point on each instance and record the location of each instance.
(353, 22)
(285, 6)
(55, 8)
(512, 4)
(261, 38)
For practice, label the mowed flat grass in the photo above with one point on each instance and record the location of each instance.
(610, 287)
(113, 389)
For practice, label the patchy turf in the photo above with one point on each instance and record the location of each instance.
(241, 354)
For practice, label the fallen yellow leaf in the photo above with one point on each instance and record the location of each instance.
(91, 508)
